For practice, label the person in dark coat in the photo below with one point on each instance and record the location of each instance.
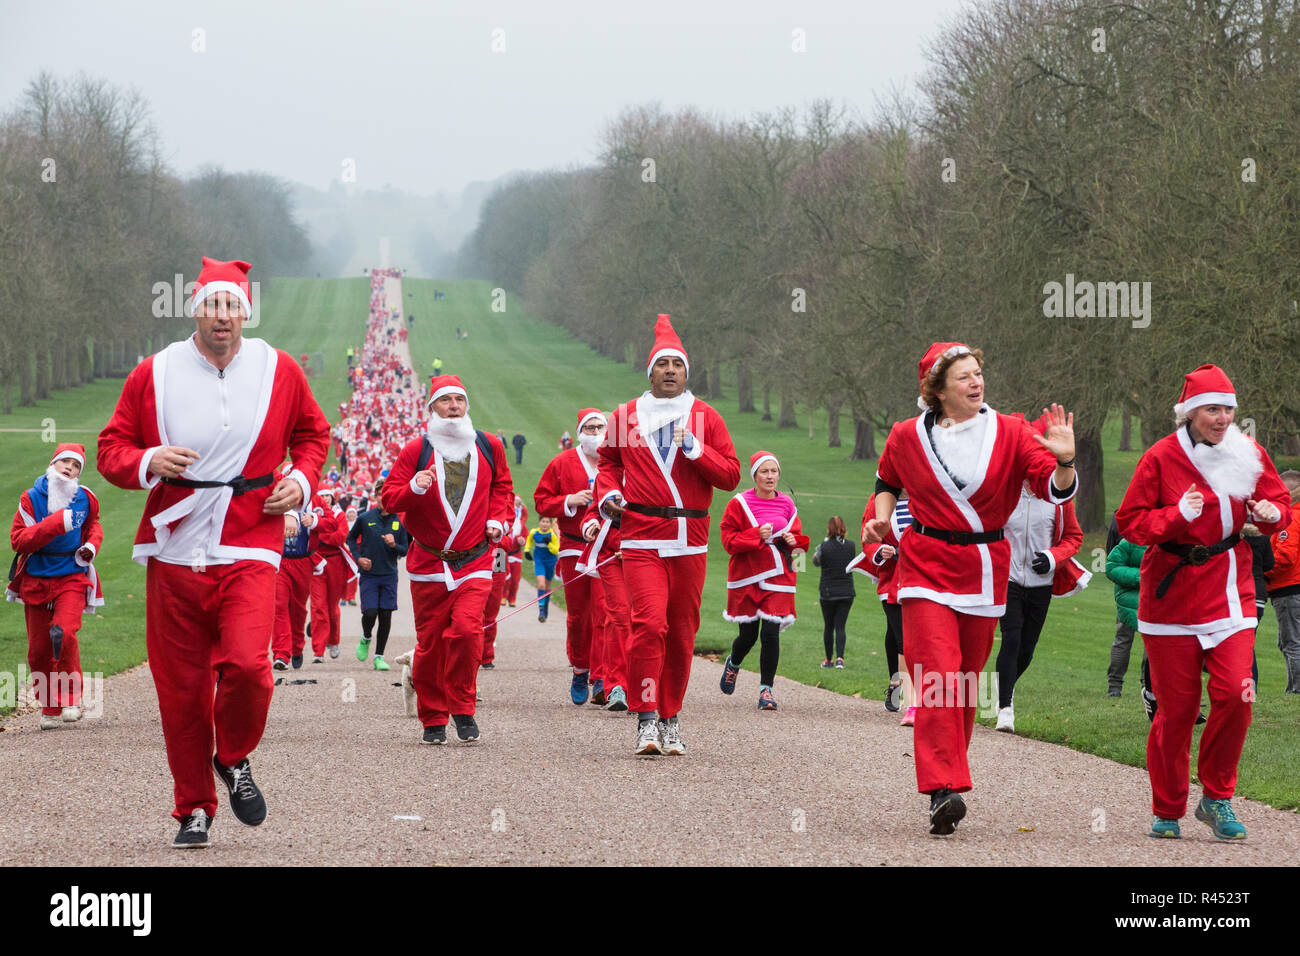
(519, 441)
(836, 587)
(377, 540)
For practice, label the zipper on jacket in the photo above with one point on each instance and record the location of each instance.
(225, 402)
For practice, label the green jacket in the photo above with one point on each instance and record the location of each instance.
(1122, 567)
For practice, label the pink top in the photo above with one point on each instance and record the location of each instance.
(775, 511)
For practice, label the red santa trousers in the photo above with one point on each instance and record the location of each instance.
(515, 572)
(326, 592)
(577, 602)
(350, 589)
(1176, 661)
(207, 630)
(950, 650)
(292, 588)
(490, 618)
(46, 602)
(663, 597)
(449, 640)
(610, 632)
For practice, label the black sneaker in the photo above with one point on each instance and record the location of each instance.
(946, 810)
(435, 735)
(193, 834)
(281, 664)
(466, 729)
(489, 666)
(246, 801)
(893, 697)
(297, 661)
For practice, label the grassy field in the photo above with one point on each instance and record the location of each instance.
(524, 375)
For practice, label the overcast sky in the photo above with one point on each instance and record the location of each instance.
(413, 92)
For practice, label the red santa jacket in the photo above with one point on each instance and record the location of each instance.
(515, 530)
(1215, 598)
(431, 521)
(288, 417)
(755, 562)
(883, 574)
(328, 538)
(567, 473)
(28, 535)
(1285, 577)
(630, 466)
(1069, 576)
(604, 546)
(971, 578)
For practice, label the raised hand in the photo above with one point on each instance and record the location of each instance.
(1059, 439)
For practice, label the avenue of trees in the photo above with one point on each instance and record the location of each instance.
(91, 219)
(815, 255)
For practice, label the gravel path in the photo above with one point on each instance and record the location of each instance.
(826, 779)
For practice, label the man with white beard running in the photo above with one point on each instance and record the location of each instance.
(450, 560)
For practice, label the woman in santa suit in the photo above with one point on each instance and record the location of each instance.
(1190, 496)
(761, 532)
(962, 464)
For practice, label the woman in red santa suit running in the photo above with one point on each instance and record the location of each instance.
(1190, 496)
(962, 464)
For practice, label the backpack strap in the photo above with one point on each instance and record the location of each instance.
(480, 439)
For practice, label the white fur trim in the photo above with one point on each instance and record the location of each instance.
(147, 480)
(755, 466)
(79, 459)
(1186, 511)
(67, 520)
(592, 415)
(203, 291)
(670, 352)
(416, 489)
(446, 390)
(1227, 399)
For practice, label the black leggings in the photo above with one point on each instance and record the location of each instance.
(893, 636)
(770, 633)
(836, 614)
(385, 622)
(1021, 626)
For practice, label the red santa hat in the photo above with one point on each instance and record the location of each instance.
(328, 491)
(442, 385)
(217, 276)
(758, 458)
(70, 450)
(926, 367)
(587, 414)
(666, 343)
(1207, 385)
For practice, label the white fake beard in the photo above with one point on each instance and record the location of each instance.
(658, 412)
(1232, 467)
(61, 490)
(452, 438)
(590, 444)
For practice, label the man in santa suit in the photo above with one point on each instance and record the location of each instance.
(1190, 496)
(56, 533)
(563, 493)
(516, 532)
(603, 561)
(202, 425)
(666, 451)
(962, 465)
(493, 606)
(448, 485)
(334, 566)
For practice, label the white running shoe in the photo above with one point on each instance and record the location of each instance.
(334, 651)
(49, 722)
(670, 731)
(71, 714)
(1006, 720)
(647, 737)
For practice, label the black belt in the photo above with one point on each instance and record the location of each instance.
(1193, 554)
(239, 483)
(958, 537)
(573, 537)
(656, 512)
(458, 559)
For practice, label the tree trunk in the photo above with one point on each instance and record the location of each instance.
(25, 387)
(715, 380)
(864, 440)
(42, 389)
(700, 381)
(9, 399)
(1126, 432)
(745, 387)
(833, 426)
(767, 403)
(1148, 430)
(1090, 502)
(787, 413)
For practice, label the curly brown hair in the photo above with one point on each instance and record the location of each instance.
(933, 383)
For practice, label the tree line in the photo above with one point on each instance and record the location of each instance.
(1100, 195)
(93, 224)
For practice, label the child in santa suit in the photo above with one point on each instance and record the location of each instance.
(603, 562)
(1190, 496)
(563, 493)
(513, 542)
(56, 533)
(666, 451)
(762, 533)
(334, 568)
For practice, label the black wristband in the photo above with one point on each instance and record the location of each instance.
(1065, 464)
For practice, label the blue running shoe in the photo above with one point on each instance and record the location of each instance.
(1166, 829)
(729, 674)
(1218, 815)
(578, 689)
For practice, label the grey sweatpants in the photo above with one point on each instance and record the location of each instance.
(1287, 609)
